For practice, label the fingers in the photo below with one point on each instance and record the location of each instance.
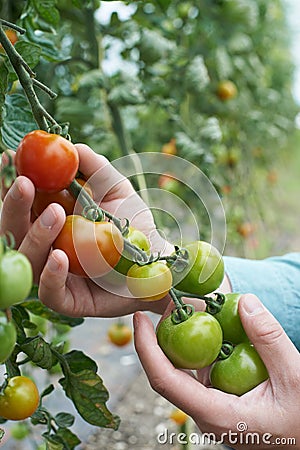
(102, 176)
(52, 287)
(16, 211)
(175, 385)
(268, 337)
(37, 243)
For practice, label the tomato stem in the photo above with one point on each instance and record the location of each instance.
(8, 314)
(27, 80)
(97, 214)
(13, 26)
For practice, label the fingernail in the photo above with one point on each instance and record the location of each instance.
(252, 305)
(48, 218)
(15, 191)
(53, 265)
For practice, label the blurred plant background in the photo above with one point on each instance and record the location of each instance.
(210, 84)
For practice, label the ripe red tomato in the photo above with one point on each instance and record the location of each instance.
(64, 198)
(48, 160)
(19, 399)
(119, 334)
(93, 248)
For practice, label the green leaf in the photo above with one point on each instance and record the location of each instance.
(39, 309)
(78, 361)
(85, 388)
(68, 438)
(39, 351)
(52, 442)
(17, 120)
(48, 43)
(89, 396)
(30, 52)
(47, 10)
(63, 439)
(64, 420)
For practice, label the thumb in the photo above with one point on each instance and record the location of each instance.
(267, 335)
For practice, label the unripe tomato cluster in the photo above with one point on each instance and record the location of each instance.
(201, 340)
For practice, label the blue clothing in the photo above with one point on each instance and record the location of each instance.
(276, 281)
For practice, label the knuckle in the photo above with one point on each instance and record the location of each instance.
(159, 385)
(270, 333)
(34, 238)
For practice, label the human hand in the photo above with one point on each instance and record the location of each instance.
(58, 289)
(270, 410)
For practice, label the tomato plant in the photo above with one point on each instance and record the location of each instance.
(140, 240)
(119, 334)
(93, 248)
(8, 336)
(49, 160)
(204, 272)
(15, 278)
(64, 198)
(149, 282)
(239, 371)
(19, 399)
(230, 321)
(193, 343)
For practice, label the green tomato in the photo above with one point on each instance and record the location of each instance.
(230, 321)
(192, 344)
(140, 240)
(19, 431)
(240, 372)
(15, 278)
(204, 272)
(8, 337)
(150, 282)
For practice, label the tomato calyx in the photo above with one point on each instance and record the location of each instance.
(215, 303)
(179, 260)
(182, 313)
(226, 350)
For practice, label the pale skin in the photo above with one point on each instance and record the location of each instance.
(272, 407)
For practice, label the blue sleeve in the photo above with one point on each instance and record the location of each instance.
(276, 281)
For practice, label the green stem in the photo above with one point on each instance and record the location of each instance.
(185, 430)
(88, 203)
(25, 76)
(13, 26)
(118, 127)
